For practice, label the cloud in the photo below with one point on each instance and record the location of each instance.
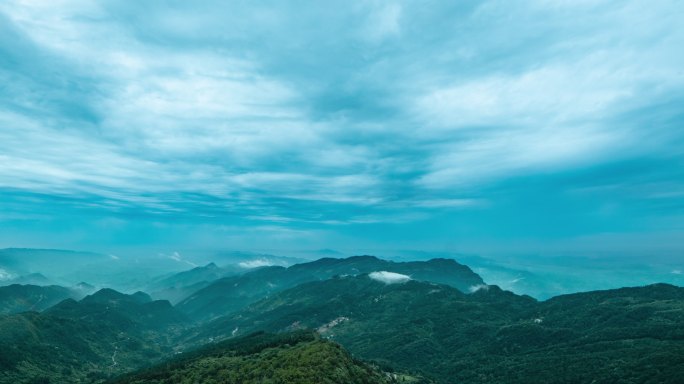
(478, 287)
(176, 256)
(389, 277)
(384, 22)
(256, 263)
(550, 94)
(6, 275)
(341, 118)
(506, 153)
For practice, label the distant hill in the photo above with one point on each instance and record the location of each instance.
(300, 357)
(107, 306)
(64, 267)
(443, 271)
(233, 293)
(57, 262)
(180, 285)
(83, 289)
(30, 279)
(21, 298)
(249, 260)
(103, 334)
(489, 336)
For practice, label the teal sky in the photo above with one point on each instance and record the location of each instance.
(550, 126)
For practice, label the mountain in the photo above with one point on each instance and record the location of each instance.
(22, 261)
(625, 335)
(125, 273)
(544, 276)
(30, 279)
(249, 260)
(300, 357)
(21, 298)
(104, 334)
(444, 271)
(109, 307)
(83, 289)
(63, 267)
(180, 285)
(435, 319)
(233, 293)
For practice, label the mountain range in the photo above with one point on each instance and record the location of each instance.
(233, 293)
(353, 320)
(179, 286)
(490, 335)
(88, 340)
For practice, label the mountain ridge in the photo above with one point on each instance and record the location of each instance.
(484, 336)
(298, 357)
(233, 293)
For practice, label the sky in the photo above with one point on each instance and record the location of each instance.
(489, 127)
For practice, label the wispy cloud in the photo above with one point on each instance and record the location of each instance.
(342, 116)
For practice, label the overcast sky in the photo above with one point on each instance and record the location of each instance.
(480, 126)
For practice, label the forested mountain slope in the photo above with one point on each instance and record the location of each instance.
(17, 298)
(233, 293)
(88, 340)
(299, 357)
(627, 335)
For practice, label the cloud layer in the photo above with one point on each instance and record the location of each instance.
(377, 122)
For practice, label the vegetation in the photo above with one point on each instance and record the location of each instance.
(407, 330)
(234, 293)
(17, 298)
(260, 358)
(86, 341)
(180, 285)
(628, 336)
